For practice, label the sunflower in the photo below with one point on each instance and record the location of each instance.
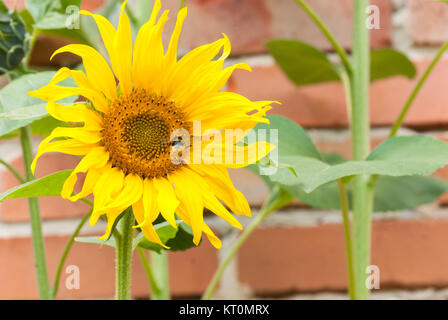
(124, 132)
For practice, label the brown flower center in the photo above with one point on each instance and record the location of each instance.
(137, 133)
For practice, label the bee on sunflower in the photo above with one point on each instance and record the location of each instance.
(127, 135)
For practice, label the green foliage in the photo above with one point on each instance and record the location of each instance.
(178, 240)
(14, 40)
(17, 109)
(302, 63)
(305, 64)
(50, 185)
(50, 14)
(387, 63)
(397, 156)
(316, 186)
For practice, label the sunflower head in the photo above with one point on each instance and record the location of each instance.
(151, 126)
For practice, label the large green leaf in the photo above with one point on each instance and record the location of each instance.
(50, 185)
(302, 63)
(17, 108)
(387, 63)
(50, 14)
(397, 156)
(391, 193)
(293, 140)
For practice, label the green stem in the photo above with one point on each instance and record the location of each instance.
(159, 262)
(152, 281)
(66, 251)
(362, 190)
(13, 171)
(337, 47)
(124, 256)
(45, 291)
(416, 90)
(277, 199)
(348, 238)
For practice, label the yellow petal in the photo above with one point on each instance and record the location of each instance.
(96, 158)
(214, 240)
(132, 192)
(219, 181)
(76, 113)
(72, 147)
(166, 200)
(107, 188)
(171, 54)
(148, 72)
(190, 201)
(147, 228)
(210, 201)
(97, 69)
(122, 52)
(90, 181)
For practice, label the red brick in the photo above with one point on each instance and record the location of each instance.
(305, 259)
(249, 24)
(323, 105)
(14, 210)
(190, 270)
(427, 22)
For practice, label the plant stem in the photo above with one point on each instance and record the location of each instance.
(362, 190)
(159, 262)
(124, 256)
(45, 291)
(152, 281)
(416, 90)
(337, 47)
(13, 171)
(277, 199)
(348, 238)
(66, 251)
(264, 212)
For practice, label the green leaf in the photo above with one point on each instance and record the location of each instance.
(302, 63)
(17, 108)
(109, 242)
(36, 111)
(387, 63)
(183, 239)
(293, 140)
(391, 193)
(41, 10)
(397, 156)
(165, 232)
(43, 127)
(50, 185)
(177, 240)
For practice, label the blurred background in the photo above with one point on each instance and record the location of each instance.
(298, 253)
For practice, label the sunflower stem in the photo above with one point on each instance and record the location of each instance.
(160, 267)
(362, 188)
(123, 253)
(45, 291)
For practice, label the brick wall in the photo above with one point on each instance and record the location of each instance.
(299, 252)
